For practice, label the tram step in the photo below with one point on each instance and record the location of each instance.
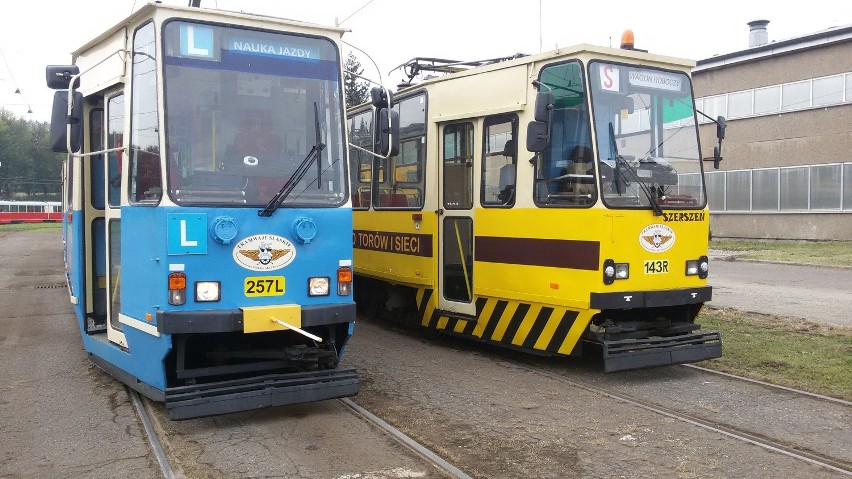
(623, 354)
(186, 402)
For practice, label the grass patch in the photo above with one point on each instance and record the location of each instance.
(795, 353)
(823, 253)
(31, 227)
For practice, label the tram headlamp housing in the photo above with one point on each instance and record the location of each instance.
(318, 286)
(344, 281)
(207, 291)
(698, 267)
(177, 289)
(613, 271)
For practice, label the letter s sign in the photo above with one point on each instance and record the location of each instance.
(609, 78)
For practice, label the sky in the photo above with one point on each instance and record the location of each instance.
(36, 33)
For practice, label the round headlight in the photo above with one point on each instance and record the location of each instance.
(609, 271)
(207, 291)
(318, 286)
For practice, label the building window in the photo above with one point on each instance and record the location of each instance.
(764, 184)
(740, 104)
(825, 187)
(848, 95)
(795, 96)
(815, 93)
(797, 189)
(794, 188)
(847, 187)
(715, 106)
(737, 185)
(828, 90)
(767, 100)
(716, 190)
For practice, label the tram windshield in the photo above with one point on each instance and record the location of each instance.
(244, 109)
(647, 139)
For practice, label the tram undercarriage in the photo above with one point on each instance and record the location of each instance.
(628, 337)
(640, 338)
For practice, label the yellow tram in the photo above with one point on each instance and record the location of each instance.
(593, 231)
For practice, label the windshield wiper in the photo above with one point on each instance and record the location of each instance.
(314, 155)
(619, 161)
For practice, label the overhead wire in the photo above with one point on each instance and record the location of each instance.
(353, 13)
(15, 84)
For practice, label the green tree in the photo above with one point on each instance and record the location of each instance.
(355, 88)
(28, 168)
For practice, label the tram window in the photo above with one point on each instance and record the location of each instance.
(499, 162)
(145, 180)
(69, 184)
(96, 142)
(115, 272)
(240, 120)
(565, 170)
(458, 260)
(115, 135)
(403, 186)
(361, 135)
(458, 162)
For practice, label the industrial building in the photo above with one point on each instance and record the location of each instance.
(787, 167)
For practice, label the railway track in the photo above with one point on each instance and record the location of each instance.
(769, 385)
(422, 451)
(425, 453)
(751, 437)
(151, 435)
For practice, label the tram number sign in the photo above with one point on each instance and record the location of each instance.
(264, 286)
(659, 266)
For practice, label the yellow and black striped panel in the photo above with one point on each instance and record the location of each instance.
(534, 326)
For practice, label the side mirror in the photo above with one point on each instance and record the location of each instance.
(543, 106)
(388, 132)
(59, 121)
(717, 157)
(537, 136)
(381, 98)
(720, 127)
(59, 76)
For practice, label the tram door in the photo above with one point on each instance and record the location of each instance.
(455, 254)
(115, 114)
(95, 249)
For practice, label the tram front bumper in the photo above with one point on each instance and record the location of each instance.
(187, 402)
(624, 354)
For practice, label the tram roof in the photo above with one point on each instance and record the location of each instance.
(581, 51)
(149, 10)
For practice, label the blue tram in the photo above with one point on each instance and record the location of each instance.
(207, 220)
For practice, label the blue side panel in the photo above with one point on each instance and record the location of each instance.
(143, 358)
(74, 266)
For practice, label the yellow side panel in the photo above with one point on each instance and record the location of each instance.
(391, 245)
(257, 319)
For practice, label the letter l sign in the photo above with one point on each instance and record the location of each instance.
(183, 240)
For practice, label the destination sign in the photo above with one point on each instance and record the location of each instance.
(655, 79)
(401, 243)
(272, 48)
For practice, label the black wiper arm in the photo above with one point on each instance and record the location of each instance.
(314, 155)
(619, 160)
